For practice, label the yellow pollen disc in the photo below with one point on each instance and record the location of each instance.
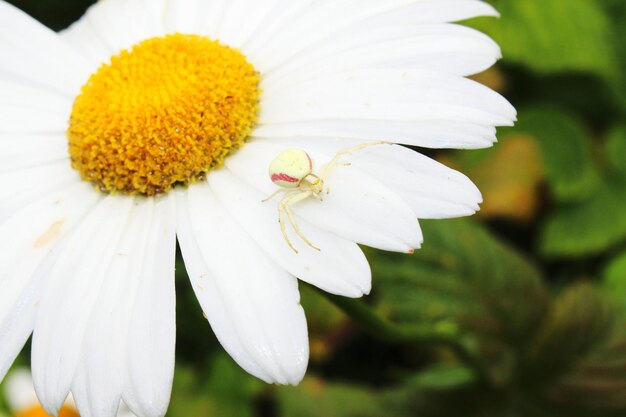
(38, 411)
(164, 112)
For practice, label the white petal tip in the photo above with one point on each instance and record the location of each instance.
(282, 382)
(295, 382)
(356, 292)
(286, 376)
(490, 11)
(365, 291)
(296, 379)
(415, 247)
(512, 115)
(50, 402)
(52, 411)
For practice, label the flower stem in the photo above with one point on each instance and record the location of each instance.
(439, 334)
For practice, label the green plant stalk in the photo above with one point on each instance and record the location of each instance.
(444, 335)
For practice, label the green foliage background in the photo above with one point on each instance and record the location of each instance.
(519, 311)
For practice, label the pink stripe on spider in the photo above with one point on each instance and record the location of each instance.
(284, 177)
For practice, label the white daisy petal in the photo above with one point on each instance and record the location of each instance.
(358, 208)
(434, 11)
(282, 13)
(26, 108)
(15, 329)
(389, 94)
(30, 97)
(340, 268)
(439, 11)
(84, 38)
(101, 374)
(433, 190)
(427, 134)
(253, 306)
(32, 53)
(30, 150)
(362, 209)
(20, 120)
(198, 271)
(302, 31)
(21, 187)
(152, 331)
(239, 23)
(244, 19)
(297, 26)
(113, 26)
(219, 12)
(71, 294)
(447, 48)
(189, 16)
(35, 231)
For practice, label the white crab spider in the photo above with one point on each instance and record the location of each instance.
(292, 171)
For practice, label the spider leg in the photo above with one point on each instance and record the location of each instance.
(290, 201)
(295, 226)
(281, 220)
(274, 194)
(327, 168)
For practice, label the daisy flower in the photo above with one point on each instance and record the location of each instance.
(152, 121)
(22, 399)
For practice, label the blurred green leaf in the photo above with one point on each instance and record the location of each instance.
(4, 407)
(578, 321)
(232, 389)
(598, 222)
(326, 322)
(545, 143)
(512, 193)
(614, 278)
(565, 150)
(223, 390)
(616, 150)
(443, 376)
(554, 35)
(576, 365)
(316, 398)
(589, 227)
(465, 277)
(616, 9)
(195, 341)
(461, 269)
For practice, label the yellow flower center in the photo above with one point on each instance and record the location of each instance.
(164, 112)
(38, 411)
